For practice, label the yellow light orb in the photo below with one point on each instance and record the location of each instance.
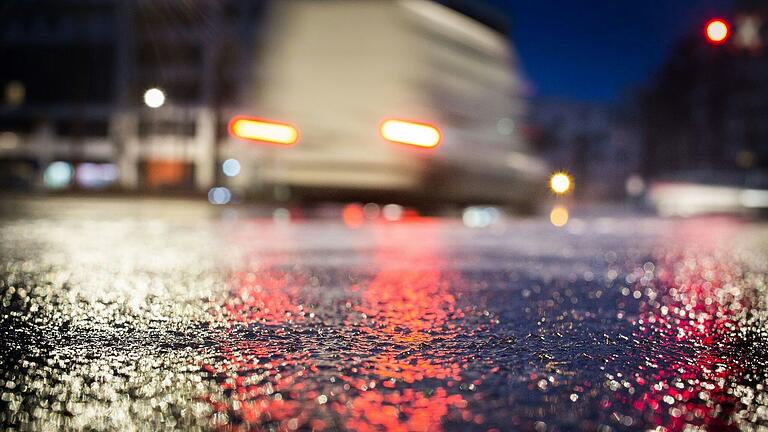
(559, 216)
(560, 183)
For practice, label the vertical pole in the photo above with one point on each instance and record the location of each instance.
(123, 121)
(206, 133)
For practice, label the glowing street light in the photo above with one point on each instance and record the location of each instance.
(717, 31)
(560, 183)
(154, 98)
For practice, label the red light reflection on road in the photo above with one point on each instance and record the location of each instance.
(260, 377)
(402, 313)
(408, 302)
(690, 328)
(265, 296)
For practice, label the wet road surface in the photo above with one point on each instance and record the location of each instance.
(152, 316)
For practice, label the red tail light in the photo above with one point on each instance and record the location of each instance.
(261, 130)
(410, 133)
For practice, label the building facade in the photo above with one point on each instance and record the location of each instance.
(136, 94)
(597, 144)
(75, 72)
(705, 116)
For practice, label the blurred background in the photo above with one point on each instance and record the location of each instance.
(417, 102)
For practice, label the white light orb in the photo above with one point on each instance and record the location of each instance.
(154, 98)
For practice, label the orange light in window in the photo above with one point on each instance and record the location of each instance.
(255, 129)
(411, 133)
(717, 31)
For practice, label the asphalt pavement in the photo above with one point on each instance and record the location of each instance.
(162, 314)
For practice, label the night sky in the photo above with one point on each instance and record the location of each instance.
(594, 50)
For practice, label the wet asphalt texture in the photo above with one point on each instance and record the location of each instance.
(153, 315)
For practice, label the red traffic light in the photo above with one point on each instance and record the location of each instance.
(717, 31)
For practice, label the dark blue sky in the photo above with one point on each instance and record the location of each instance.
(595, 49)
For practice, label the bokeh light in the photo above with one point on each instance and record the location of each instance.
(372, 211)
(634, 185)
(559, 216)
(505, 126)
(353, 216)
(96, 175)
(154, 98)
(58, 175)
(480, 217)
(560, 183)
(15, 93)
(392, 212)
(231, 167)
(717, 31)
(219, 196)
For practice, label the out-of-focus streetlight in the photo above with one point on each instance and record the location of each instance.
(717, 31)
(154, 98)
(560, 183)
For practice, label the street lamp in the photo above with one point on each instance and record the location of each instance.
(154, 98)
(560, 183)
